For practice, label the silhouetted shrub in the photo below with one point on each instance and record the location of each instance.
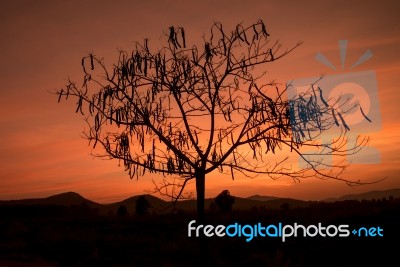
(224, 201)
(142, 205)
(122, 211)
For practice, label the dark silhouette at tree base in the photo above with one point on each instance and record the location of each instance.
(142, 206)
(224, 201)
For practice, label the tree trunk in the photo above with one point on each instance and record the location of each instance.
(200, 190)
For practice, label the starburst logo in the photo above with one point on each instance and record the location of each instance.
(345, 91)
(343, 51)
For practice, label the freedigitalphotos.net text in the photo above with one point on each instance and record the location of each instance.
(280, 230)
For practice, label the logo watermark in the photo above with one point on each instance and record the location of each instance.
(343, 91)
(281, 231)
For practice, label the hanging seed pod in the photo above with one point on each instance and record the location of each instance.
(104, 99)
(60, 95)
(224, 46)
(343, 122)
(91, 62)
(334, 117)
(118, 117)
(172, 37)
(132, 66)
(208, 51)
(111, 115)
(183, 37)
(79, 106)
(124, 72)
(255, 36)
(154, 149)
(83, 65)
(272, 108)
(194, 55)
(238, 33)
(322, 98)
(245, 37)
(145, 66)
(365, 116)
(157, 64)
(271, 54)
(96, 123)
(263, 29)
(184, 71)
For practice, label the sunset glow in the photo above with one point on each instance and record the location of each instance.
(43, 153)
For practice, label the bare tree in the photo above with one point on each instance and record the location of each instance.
(185, 111)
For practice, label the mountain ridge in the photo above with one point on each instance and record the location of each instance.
(159, 205)
(375, 194)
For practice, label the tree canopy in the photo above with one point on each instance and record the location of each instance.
(185, 111)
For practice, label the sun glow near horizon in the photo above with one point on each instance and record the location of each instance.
(43, 154)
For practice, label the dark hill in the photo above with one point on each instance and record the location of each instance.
(378, 194)
(261, 198)
(68, 199)
(158, 205)
(63, 199)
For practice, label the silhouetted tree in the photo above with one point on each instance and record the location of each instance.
(122, 211)
(142, 205)
(224, 201)
(189, 110)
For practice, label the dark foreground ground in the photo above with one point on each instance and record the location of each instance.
(55, 236)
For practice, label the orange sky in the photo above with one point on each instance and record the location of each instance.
(42, 43)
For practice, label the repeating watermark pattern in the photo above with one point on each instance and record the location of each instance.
(344, 91)
(281, 231)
